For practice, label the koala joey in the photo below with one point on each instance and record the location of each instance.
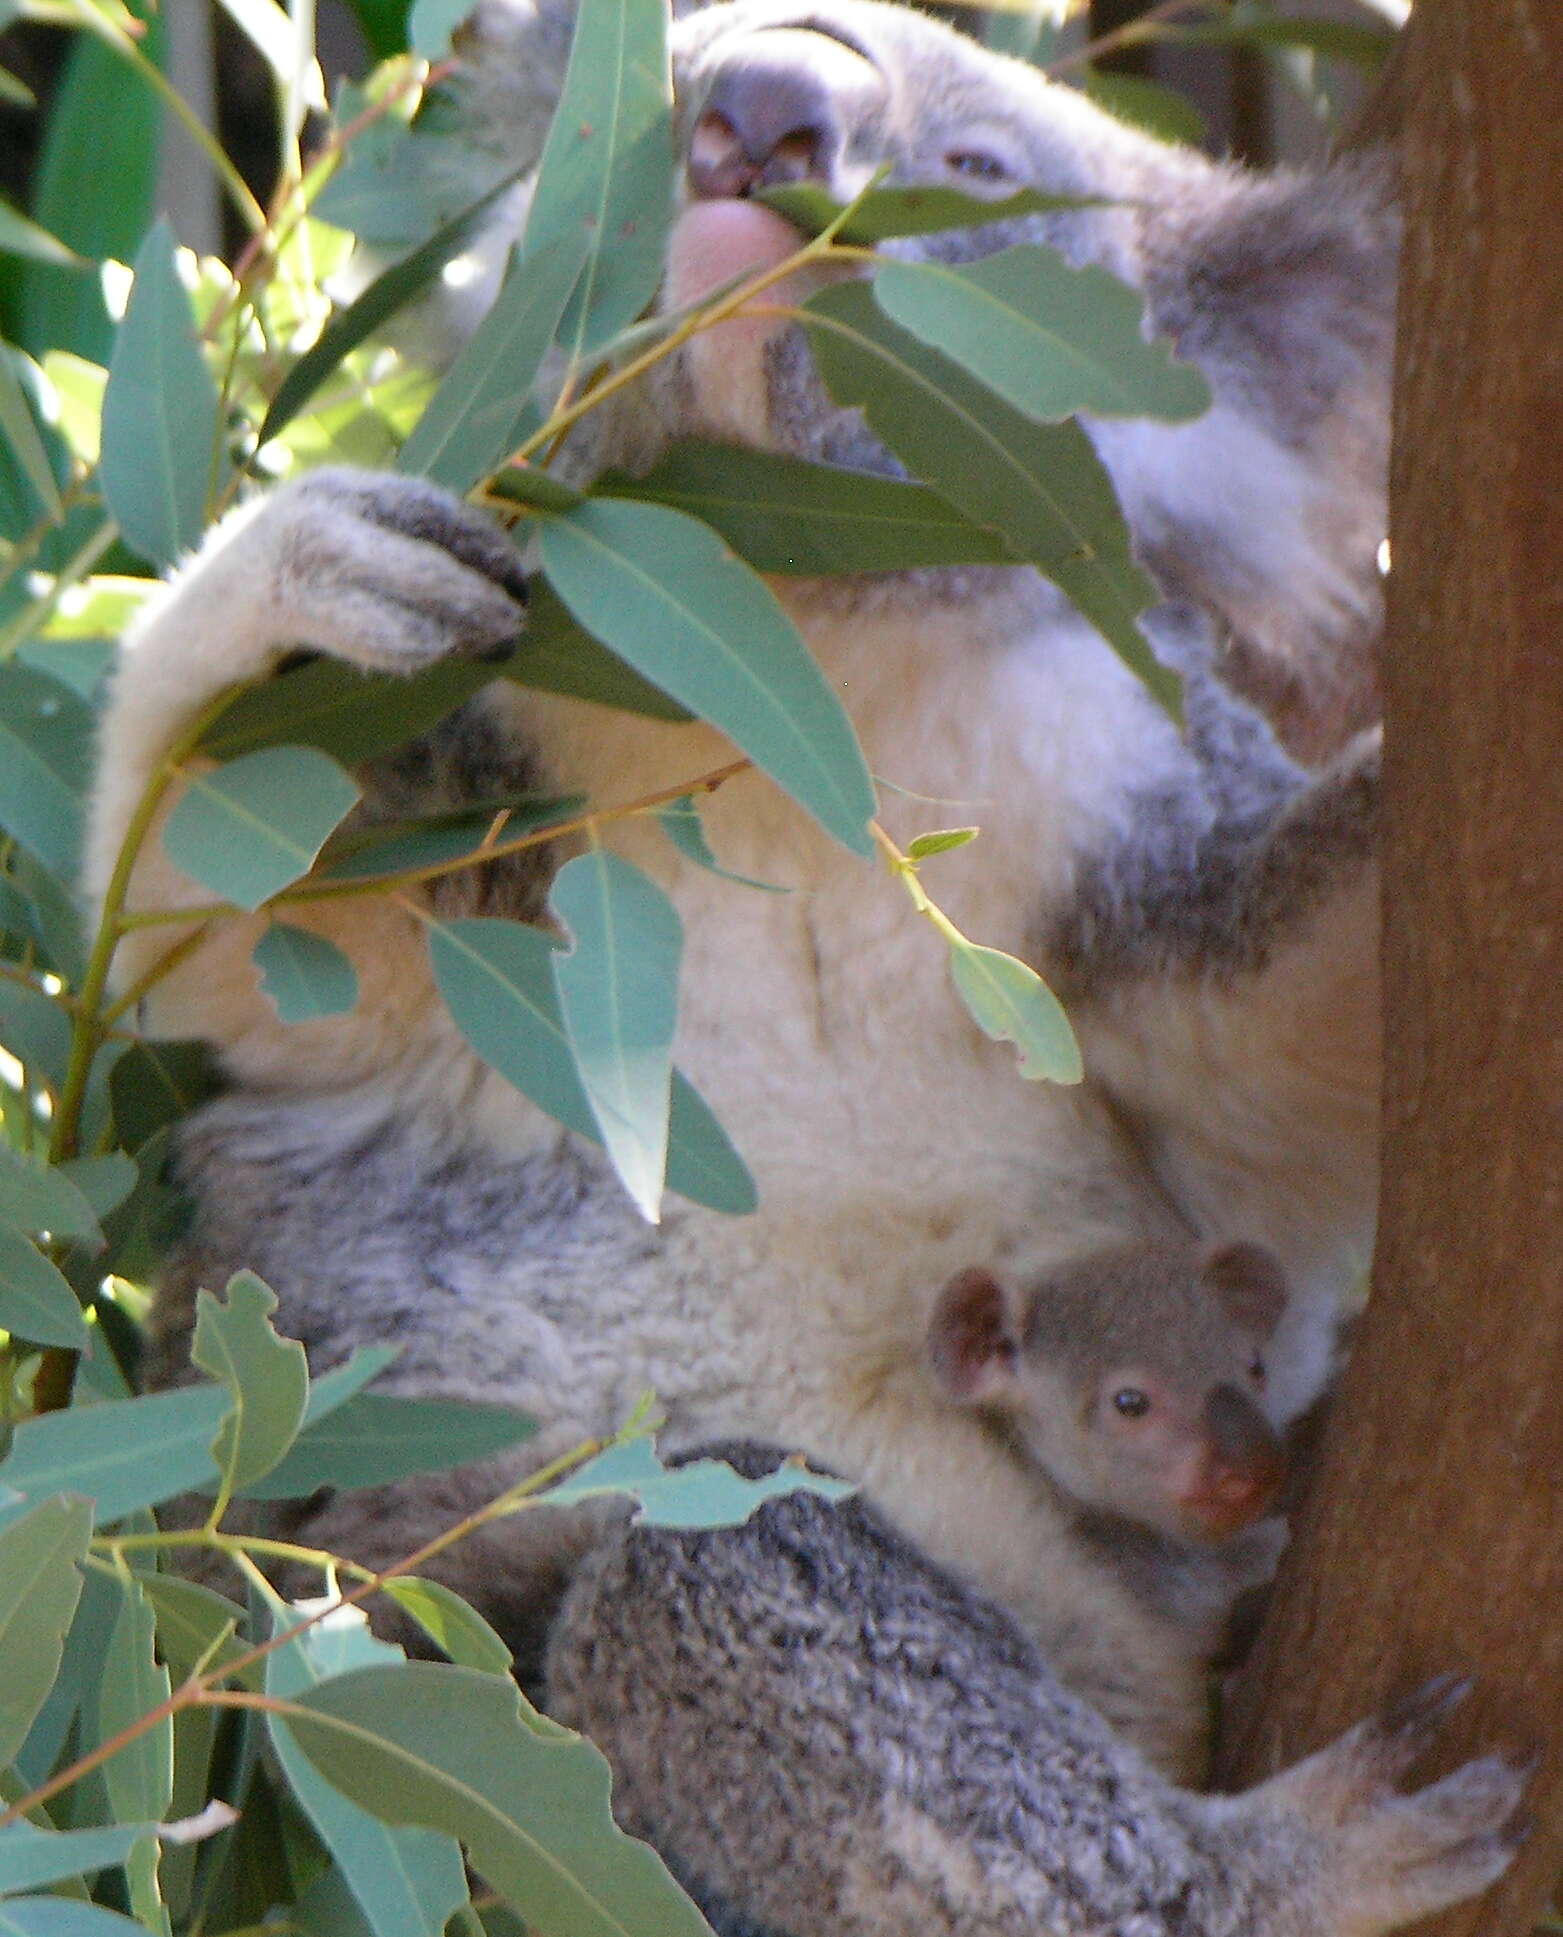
(1132, 1379)
(823, 1733)
(1206, 905)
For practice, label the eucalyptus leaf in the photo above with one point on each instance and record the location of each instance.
(680, 821)
(396, 186)
(159, 444)
(1041, 485)
(36, 1031)
(375, 1438)
(343, 711)
(662, 591)
(1051, 339)
(606, 173)
(31, 1857)
(18, 429)
(701, 1493)
(558, 655)
(45, 757)
(303, 975)
(21, 237)
(40, 1581)
(941, 842)
(104, 1182)
(783, 515)
(617, 985)
(194, 1624)
(36, 1300)
(266, 1378)
(497, 980)
(1144, 103)
(893, 210)
(252, 827)
(407, 1882)
(450, 1748)
(456, 1629)
(124, 1455)
(1011, 1003)
(57, 1917)
(138, 1778)
(479, 413)
(35, 1197)
(399, 847)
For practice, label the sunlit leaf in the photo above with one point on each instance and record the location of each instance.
(941, 842)
(451, 1749)
(250, 828)
(159, 413)
(36, 1031)
(1011, 1003)
(606, 172)
(265, 1375)
(303, 975)
(450, 1624)
(497, 980)
(702, 1493)
(617, 984)
(45, 756)
(1050, 339)
(21, 237)
(40, 1581)
(783, 515)
(663, 592)
(21, 433)
(269, 30)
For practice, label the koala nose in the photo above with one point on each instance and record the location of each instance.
(1241, 1470)
(779, 108)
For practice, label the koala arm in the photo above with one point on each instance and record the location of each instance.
(382, 571)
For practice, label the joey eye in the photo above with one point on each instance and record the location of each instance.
(978, 165)
(1256, 1370)
(1131, 1402)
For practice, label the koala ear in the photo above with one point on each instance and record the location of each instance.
(511, 57)
(1248, 1283)
(972, 1342)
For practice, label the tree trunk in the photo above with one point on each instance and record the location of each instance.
(1434, 1535)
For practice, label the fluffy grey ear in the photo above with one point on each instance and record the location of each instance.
(511, 56)
(973, 1344)
(1248, 1283)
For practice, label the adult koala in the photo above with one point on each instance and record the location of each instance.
(1206, 905)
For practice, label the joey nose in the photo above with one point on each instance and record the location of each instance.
(1242, 1467)
(779, 108)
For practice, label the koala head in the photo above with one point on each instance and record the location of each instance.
(1134, 1378)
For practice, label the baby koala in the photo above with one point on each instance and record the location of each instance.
(1133, 1380)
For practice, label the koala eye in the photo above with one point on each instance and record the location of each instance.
(978, 165)
(1256, 1371)
(1131, 1402)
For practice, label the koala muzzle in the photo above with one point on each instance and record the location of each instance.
(1242, 1469)
(780, 107)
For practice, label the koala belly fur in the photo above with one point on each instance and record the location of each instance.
(393, 1189)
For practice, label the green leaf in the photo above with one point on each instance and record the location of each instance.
(389, 292)
(606, 173)
(266, 25)
(124, 1455)
(195, 1624)
(36, 1031)
(252, 827)
(680, 821)
(885, 212)
(397, 185)
(452, 1749)
(1050, 339)
(19, 430)
(303, 975)
(31, 1857)
(477, 416)
(159, 413)
(1011, 1003)
(365, 854)
(265, 1375)
(1160, 111)
(941, 843)
(343, 711)
(456, 1629)
(36, 1198)
(21, 237)
(157, 1083)
(139, 1778)
(663, 592)
(36, 1300)
(55, 1917)
(558, 655)
(783, 515)
(407, 1882)
(430, 24)
(45, 756)
(74, 1694)
(1041, 485)
(40, 1581)
(705, 1493)
(105, 1182)
(376, 1438)
(497, 980)
(617, 985)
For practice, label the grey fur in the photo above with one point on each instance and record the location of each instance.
(828, 1737)
(406, 1195)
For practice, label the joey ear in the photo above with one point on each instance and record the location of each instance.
(1248, 1283)
(972, 1341)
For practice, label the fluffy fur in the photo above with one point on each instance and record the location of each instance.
(1207, 903)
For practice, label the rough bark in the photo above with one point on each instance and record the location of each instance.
(1434, 1535)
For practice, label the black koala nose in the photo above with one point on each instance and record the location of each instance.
(779, 108)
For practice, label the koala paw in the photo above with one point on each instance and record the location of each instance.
(1395, 1857)
(388, 571)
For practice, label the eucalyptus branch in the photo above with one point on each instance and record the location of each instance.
(905, 870)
